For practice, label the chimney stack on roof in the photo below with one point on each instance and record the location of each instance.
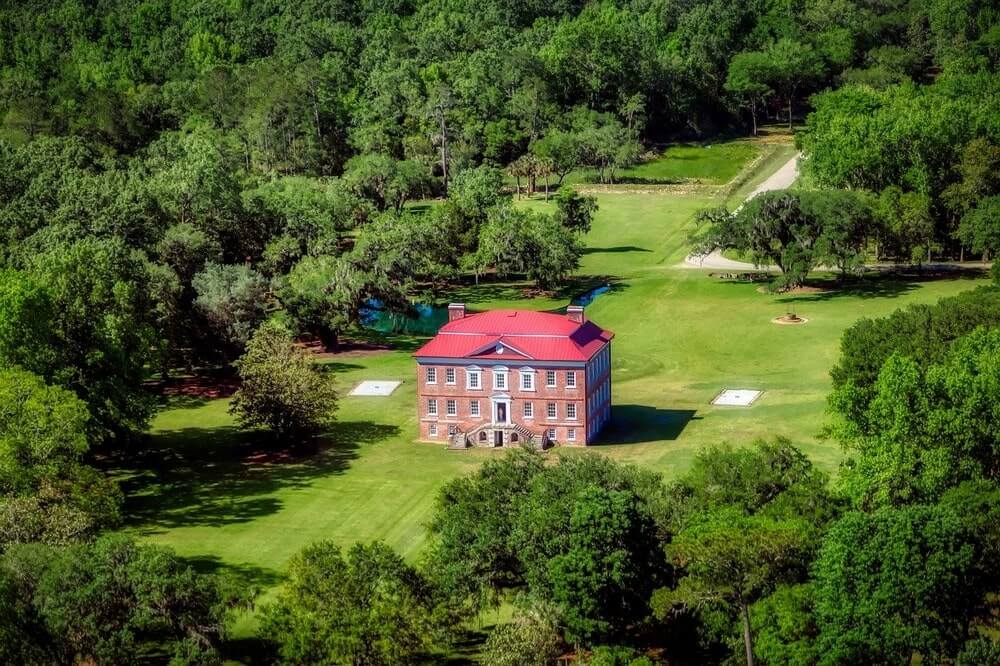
(456, 311)
(575, 313)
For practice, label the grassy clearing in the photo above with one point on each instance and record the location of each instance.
(211, 493)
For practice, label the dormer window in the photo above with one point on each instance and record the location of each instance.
(499, 349)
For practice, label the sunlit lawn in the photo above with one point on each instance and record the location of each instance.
(681, 336)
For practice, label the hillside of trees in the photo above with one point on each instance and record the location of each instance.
(189, 184)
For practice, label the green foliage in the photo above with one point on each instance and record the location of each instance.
(233, 299)
(102, 358)
(795, 231)
(895, 582)
(104, 601)
(785, 626)
(42, 431)
(771, 478)
(980, 228)
(927, 427)
(726, 556)
(26, 314)
(281, 388)
(473, 557)
(46, 493)
(366, 607)
(579, 535)
(602, 580)
(386, 182)
(530, 639)
(573, 210)
(921, 332)
(979, 652)
(186, 249)
(516, 241)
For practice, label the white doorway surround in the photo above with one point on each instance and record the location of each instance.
(500, 409)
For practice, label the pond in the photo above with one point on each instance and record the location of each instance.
(425, 320)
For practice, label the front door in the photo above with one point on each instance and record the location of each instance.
(501, 412)
(498, 438)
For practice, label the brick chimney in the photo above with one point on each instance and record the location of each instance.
(456, 311)
(575, 313)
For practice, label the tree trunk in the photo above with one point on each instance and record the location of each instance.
(517, 186)
(546, 187)
(747, 640)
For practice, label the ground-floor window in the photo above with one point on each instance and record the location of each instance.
(552, 434)
(432, 430)
(571, 434)
(452, 430)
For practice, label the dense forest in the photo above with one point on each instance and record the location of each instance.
(188, 184)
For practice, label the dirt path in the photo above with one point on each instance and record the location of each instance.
(786, 174)
(779, 180)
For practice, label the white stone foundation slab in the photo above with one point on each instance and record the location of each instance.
(736, 397)
(377, 388)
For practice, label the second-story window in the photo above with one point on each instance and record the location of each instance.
(550, 378)
(432, 375)
(473, 379)
(529, 410)
(571, 411)
(500, 380)
(432, 408)
(474, 408)
(527, 380)
(550, 410)
(452, 408)
(571, 379)
(449, 376)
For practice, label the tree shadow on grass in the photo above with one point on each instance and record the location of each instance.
(617, 249)
(250, 576)
(636, 424)
(885, 285)
(211, 477)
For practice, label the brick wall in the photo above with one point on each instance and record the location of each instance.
(589, 382)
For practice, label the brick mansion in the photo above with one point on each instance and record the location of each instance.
(512, 377)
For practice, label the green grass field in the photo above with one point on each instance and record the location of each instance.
(214, 495)
(714, 163)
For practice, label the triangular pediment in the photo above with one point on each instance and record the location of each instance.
(500, 348)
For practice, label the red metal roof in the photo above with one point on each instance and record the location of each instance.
(523, 335)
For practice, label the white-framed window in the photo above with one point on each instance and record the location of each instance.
(500, 380)
(527, 380)
(571, 379)
(550, 378)
(432, 376)
(474, 408)
(432, 430)
(452, 430)
(432, 407)
(552, 434)
(451, 408)
(571, 434)
(571, 411)
(529, 410)
(449, 375)
(550, 410)
(474, 379)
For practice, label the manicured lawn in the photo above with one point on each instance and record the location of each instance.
(712, 163)
(213, 494)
